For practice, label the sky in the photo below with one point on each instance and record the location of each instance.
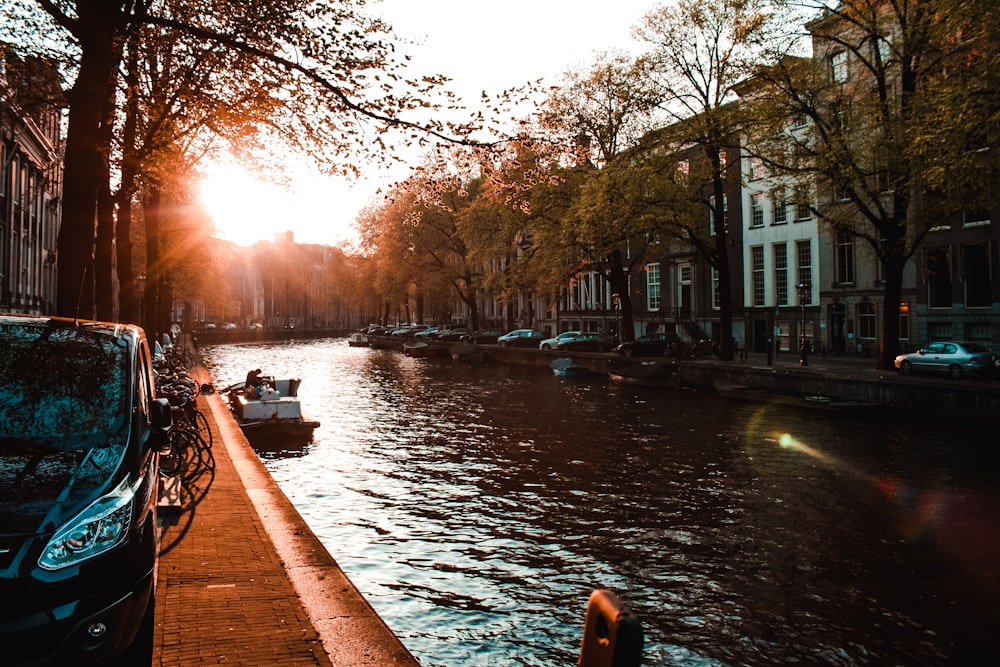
(481, 47)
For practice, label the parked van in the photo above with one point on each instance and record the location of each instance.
(80, 431)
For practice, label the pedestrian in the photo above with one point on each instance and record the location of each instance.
(804, 349)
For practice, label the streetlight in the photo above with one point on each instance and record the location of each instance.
(803, 292)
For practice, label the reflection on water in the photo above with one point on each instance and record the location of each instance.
(476, 507)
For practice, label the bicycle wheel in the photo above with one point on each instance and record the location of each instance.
(206, 457)
(187, 448)
(203, 430)
(173, 458)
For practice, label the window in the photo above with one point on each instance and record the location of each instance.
(866, 321)
(757, 168)
(800, 121)
(803, 204)
(838, 67)
(975, 217)
(653, 300)
(844, 257)
(757, 210)
(938, 278)
(881, 49)
(780, 207)
(711, 214)
(976, 275)
(781, 274)
(803, 253)
(683, 170)
(757, 275)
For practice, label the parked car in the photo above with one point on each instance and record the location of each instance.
(956, 358)
(80, 432)
(650, 345)
(590, 341)
(452, 334)
(407, 331)
(521, 338)
(553, 343)
(482, 336)
(424, 334)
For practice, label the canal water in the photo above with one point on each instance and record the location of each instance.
(477, 506)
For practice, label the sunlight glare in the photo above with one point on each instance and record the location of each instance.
(246, 209)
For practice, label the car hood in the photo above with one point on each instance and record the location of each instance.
(42, 485)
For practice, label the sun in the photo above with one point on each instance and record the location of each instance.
(246, 209)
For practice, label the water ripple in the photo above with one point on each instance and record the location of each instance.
(476, 507)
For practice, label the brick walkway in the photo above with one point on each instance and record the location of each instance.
(242, 581)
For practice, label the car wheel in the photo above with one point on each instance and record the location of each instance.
(546, 347)
(955, 371)
(627, 352)
(906, 368)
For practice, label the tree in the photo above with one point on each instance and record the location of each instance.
(342, 78)
(899, 123)
(699, 53)
(595, 115)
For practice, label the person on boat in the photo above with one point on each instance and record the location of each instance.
(253, 380)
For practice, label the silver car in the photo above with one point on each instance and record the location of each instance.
(956, 358)
(553, 343)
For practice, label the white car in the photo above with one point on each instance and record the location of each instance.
(553, 343)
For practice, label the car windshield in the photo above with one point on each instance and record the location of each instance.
(975, 348)
(63, 420)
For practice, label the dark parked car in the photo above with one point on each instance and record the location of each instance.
(956, 358)
(80, 431)
(651, 345)
(483, 336)
(451, 334)
(590, 341)
(521, 338)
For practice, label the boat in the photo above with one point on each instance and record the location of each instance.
(271, 413)
(468, 352)
(643, 373)
(566, 367)
(358, 339)
(808, 401)
(419, 348)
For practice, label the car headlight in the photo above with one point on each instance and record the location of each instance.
(95, 530)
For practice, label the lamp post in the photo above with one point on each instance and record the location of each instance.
(803, 293)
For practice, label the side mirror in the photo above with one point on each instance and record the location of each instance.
(160, 422)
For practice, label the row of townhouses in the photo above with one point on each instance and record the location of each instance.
(794, 275)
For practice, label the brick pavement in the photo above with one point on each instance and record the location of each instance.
(243, 581)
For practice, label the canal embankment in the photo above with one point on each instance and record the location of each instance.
(244, 581)
(839, 378)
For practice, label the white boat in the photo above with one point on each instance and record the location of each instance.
(358, 339)
(271, 414)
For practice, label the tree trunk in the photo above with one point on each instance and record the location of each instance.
(154, 264)
(85, 157)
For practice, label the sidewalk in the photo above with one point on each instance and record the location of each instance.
(850, 364)
(243, 581)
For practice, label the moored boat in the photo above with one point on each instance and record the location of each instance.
(809, 401)
(270, 413)
(567, 367)
(358, 339)
(643, 373)
(419, 348)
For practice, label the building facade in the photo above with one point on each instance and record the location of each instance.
(30, 183)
